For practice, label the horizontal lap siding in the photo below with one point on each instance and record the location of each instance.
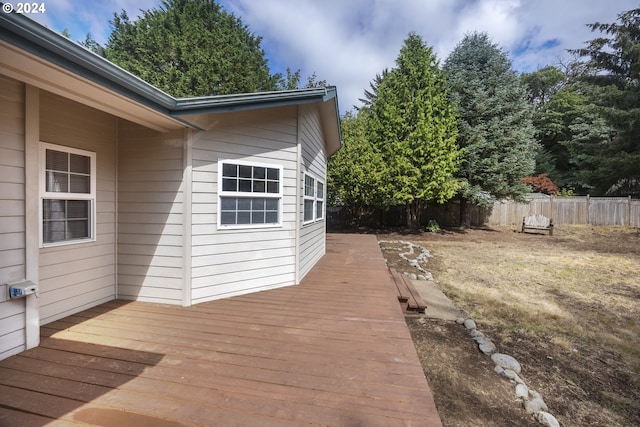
(150, 215)
(233, 262)
(12, 230)
(312, 236)
(78, 276)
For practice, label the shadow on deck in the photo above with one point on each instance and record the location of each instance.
(334, 350)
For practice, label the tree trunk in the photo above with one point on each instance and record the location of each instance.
(465, 214)
(412, 219)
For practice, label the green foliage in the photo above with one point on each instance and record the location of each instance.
(543, 84)
(606, 146)
(433, 226)
(413, 126)
(355, 173)
(190, 48)
(496, 130)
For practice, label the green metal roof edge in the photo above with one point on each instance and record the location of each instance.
(32, 37)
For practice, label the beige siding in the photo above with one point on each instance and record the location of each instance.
(233, 262)
(312, 236)
(78, 276)
(12, 229)
(150, 214)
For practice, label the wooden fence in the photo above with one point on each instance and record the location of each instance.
(623, 211)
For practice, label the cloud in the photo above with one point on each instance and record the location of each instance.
(348, 42)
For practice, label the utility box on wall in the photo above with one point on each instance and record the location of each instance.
(22, 289)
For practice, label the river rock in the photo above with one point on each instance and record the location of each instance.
(522, 391)
(470, 324)
(535, 405)
(546, 419)
(506, 361)
(485, 345)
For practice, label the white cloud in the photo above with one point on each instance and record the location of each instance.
(348, 42)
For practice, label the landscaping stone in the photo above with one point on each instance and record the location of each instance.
(485, 344)
(535, 405)
(522, 391)
(546, 419)
(470, 324)
(506, 361)
(460, 320)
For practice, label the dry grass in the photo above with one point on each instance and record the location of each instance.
(579, 287)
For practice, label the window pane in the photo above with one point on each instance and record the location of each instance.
(244, 185)
(272, 204)
(53, 209)
(229, 184)
(244, 218)
(259, 173)
(79, 164)
(227, 218)
(308, 210)
(319, 209)
(271, 217)
(273, 187)
(244, 171)
(320, 192)
(257, 217)
(80, 184)
(229, 170)
(309, 183)
(257, 204)
(77, 229)
(57, 160)
(57, 182)
(259, 186)
(273, 174)
(78, 209)
(228, 203)
(53, 231)
(244, 204)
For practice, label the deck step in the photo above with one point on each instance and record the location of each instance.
(408, 295)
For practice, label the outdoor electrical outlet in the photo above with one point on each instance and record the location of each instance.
(21, 290)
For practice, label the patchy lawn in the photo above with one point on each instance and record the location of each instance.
(566, 306)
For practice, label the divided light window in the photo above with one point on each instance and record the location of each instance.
(250, 195)
(313, 199)
(67, 195)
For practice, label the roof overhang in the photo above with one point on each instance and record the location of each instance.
(42, 58)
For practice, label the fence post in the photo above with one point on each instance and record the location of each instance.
(588, 211)
(629, 211)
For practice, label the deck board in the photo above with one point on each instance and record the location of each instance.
(332, 351)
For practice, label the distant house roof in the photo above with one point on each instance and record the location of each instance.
(34, 54)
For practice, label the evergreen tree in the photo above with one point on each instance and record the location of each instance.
(608, 155)
(191, 48)
(413, 126)
(355, 173)
(495, 123)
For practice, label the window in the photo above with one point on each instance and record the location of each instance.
(67, 195)
(250, 194)
(309, 197)
(313, 199)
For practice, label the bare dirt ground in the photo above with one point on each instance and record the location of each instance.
(566, 306)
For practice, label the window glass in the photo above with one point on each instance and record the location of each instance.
(250, 195)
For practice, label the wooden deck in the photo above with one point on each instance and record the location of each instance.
(333, 351)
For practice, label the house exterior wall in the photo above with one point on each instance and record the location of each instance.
(226, 262)
(12, 214)
(150, 214)
(313, 159)
(78, 276)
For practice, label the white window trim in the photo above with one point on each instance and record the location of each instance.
(315, 198)
(247, 195)
(91, 196)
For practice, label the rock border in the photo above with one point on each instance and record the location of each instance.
(508, 368)
(505, 365)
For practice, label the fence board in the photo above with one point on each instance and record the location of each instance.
(622, 211)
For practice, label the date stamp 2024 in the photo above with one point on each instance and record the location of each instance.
(24, 8)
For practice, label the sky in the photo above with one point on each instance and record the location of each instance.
(348, 42)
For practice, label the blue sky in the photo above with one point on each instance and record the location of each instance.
(348, 42)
